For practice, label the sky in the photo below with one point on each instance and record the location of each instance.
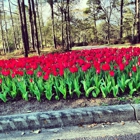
(46, 8)
(82, 4)
(47, 12)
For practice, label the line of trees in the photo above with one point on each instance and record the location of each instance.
(127, 13)
(22, 24)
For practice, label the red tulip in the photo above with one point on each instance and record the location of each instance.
(46, 77)
(31, 80)
(134, 68)
(73, 69)
(86, 67)
(13, 75)
(54, 72)
(111, 73)
(5, 72)
(0, 81)
(30, 72)
(106, 67)
(61, 72)
(121, 66)
(21, 73)
(98, 71)
(39, 74)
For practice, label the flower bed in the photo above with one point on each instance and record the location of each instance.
(107, 72)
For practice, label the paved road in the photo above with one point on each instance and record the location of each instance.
(108, 131)
(88, 47)
(120, 137)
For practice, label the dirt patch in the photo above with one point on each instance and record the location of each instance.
(20, 106)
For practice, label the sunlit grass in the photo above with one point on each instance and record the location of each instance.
(20, 53)
(46, 50)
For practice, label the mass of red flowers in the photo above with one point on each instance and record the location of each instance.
(55, 64)
(111, 61)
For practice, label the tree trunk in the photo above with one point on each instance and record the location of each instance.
(67, 34)
(137, 20)
(1, 26)
(25, 24)
(95, 29)
(31, 24)
(121, 19)
(62, 27)
(7, 48)
(22, 29)
(6, 35)
(42, 24)
(39, 24)
(108, 31)
(19, 35)
(2, 36)
(69, 26)
(35, 27)
(53, 28)
(14, 34)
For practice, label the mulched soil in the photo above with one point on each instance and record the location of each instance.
(20, 106)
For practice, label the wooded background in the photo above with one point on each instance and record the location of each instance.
(23, 25)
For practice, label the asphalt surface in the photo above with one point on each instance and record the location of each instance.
(121, 137)
(102, 131)
(101, 122)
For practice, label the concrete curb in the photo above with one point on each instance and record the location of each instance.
(136, 108)
(69, 117)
